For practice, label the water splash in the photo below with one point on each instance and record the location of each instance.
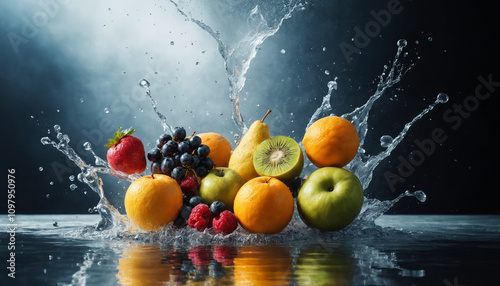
(163, 120)
(261, 20)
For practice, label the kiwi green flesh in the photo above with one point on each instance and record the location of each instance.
(279, 157)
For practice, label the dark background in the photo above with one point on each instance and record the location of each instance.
(450, 44)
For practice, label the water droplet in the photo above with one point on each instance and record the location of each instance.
(283, 51)
(72, 178)
(332, 85)
(58, 110)
(421, 196)
(324, 49)
(55, 224)
(47, 196)
(386, 141)
(40, 169)
(51, 183)
(327, 72)
(45, 140)
(106, 110)
(402, 43)
(50, 257)
(87, 146)
(172, 43)
(73, 187)
(144, 83)
(57, 128)
(442, 98)
(429, 39)
(81, 100)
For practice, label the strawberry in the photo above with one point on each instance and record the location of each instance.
(126, 153)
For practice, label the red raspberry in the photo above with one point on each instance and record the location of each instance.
(200, 255)
(225, 222)
(200, 218)
(189, 185)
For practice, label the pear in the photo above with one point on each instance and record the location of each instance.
(242, 157)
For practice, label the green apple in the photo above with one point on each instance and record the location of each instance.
(221, 184)
(330, 199)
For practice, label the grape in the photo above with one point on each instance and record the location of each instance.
(195, 142)
(179, 134)
(167, 150)
(172, 144)
(186, 211)
(203, 151)
(167, 165)
(164, 139)
(178, 173)
(201, 171)
(154, 155)
(177, 159)
(155, 168)
(186, 159)
(184, 147)
(195, 162)
(207, 162)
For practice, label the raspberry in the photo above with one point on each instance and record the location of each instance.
(189, 185)
(200, 218)
(225, 222)
(224, 254)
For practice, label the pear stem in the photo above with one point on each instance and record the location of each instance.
(262, 120)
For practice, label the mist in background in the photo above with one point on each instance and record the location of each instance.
(78, 64)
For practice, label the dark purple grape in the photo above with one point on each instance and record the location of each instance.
(179, 134)
(186, 159)
(184, 147)
(207, 162)
(167, 150)
(178, 173)
(167, 165)
(203, 151)
(195, 142)
(201, 171)
(164, 139)
(172, 144)
(177, 159)
(154, 155)
(155, 168)
(195, 162)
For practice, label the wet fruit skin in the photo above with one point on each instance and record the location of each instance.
(264, 205)
(153, 201)
(128, 156)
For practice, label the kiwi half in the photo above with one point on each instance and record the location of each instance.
(279, 157)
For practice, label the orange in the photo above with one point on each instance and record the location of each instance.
(264, 205)
(153, 202)
(331, 141)
(220, 148)
(263, 265)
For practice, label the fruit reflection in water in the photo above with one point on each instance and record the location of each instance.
(142, 265)
(263, 265)
(320, 265)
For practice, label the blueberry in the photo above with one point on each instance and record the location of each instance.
(196, 200)
(217, 207)
(154, 155)
(186, 159)
(203, 151)
(186, 211)
(201, 171)
(184, 147)
(167, 165)
(185, 199)
(179, 134)
(178, 173)
(195, 142)
(179, 221)
(207, 162)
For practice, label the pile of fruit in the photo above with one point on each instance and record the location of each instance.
(200, 182)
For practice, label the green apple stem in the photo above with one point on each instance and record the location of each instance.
(262, 120)
(220, 173)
